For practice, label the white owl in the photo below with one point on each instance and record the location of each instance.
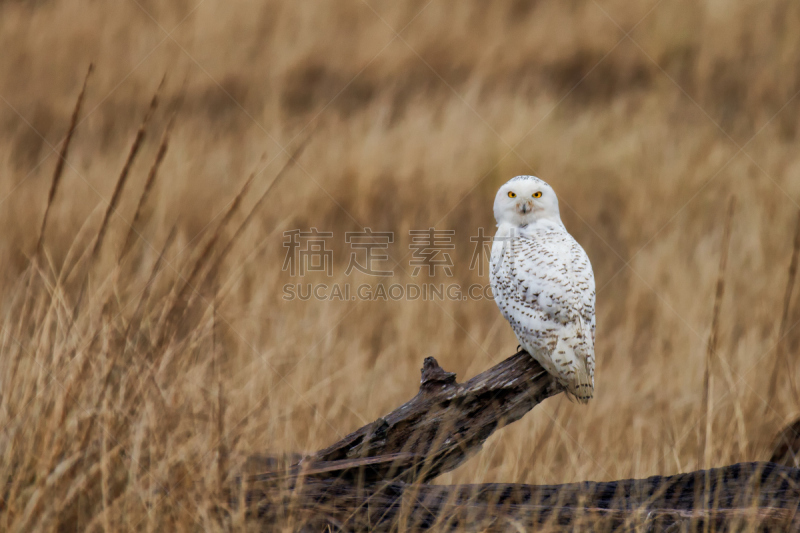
(543, 283)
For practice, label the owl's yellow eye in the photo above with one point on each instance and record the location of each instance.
(537, 194)
(512, 194)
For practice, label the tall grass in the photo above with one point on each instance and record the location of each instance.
(130, 416)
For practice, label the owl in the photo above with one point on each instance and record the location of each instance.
(543, 283)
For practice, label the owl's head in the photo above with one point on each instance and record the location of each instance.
(525, 200)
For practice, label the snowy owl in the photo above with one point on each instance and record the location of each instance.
(543, 283)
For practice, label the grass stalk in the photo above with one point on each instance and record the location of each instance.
(62, 159)
(713, 340)
(123, 175)
(781, 360)
(148, 187)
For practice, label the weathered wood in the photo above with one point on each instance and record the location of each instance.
(373, 479)
(786, 446)
(757, 494)
(446, 422)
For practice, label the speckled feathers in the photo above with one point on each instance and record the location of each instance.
(543, 283)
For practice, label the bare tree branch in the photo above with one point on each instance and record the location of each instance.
(373, 479)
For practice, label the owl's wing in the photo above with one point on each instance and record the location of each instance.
(582, 285)
(575, 349)
(584, 275)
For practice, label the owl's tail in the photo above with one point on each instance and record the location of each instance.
(581, 387)
(574, 347)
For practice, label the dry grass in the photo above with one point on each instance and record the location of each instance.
(122, 419)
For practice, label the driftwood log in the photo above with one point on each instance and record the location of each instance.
(375, 479)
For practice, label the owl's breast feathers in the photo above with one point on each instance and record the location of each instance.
(544, 286)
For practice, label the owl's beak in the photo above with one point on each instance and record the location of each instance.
(525, 207)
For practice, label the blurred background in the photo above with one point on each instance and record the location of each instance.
(645, 118)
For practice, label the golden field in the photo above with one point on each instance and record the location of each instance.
(645, 118)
